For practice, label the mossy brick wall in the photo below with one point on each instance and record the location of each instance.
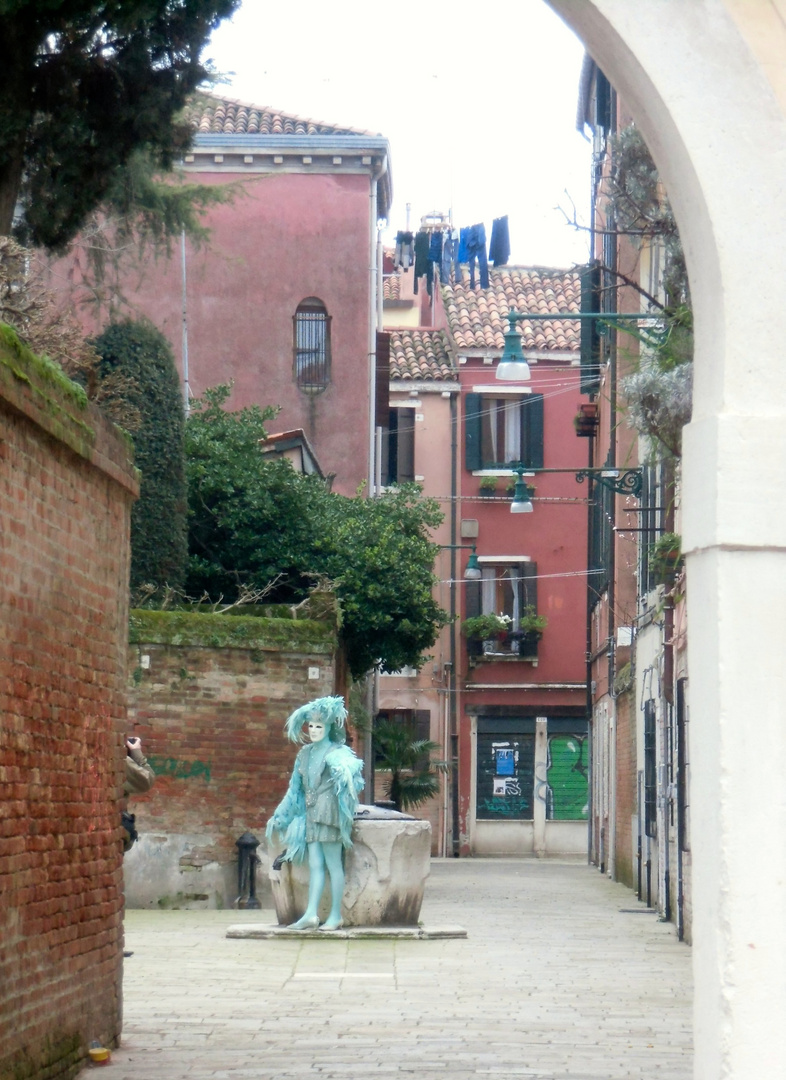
(66, 489)
(208, 695)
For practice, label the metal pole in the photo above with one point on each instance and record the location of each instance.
(186, 388)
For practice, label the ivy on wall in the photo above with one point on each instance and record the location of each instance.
(158, 519)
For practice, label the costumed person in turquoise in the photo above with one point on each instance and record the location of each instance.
(316, 814)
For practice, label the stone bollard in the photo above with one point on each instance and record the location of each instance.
(247, 860)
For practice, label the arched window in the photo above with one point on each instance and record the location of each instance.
(312, 345)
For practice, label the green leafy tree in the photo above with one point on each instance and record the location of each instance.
(252, 522)
(86, 83)
(139, 352)
(379, 554)
(413, 774)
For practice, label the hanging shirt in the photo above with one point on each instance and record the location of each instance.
(435, 247)
(499, 246)
(463, 255)
(422, 262)
(476, 249)
(449, 256)
(405, 250)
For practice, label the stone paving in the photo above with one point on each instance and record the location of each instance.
(563, 975)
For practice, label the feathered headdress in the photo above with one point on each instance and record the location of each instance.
(329, 711)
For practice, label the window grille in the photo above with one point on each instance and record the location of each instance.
(312, 345)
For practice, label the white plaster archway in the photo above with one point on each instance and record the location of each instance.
(706, 82)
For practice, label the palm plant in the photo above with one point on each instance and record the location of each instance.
(413, 774)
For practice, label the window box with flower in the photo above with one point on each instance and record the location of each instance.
(497, 634)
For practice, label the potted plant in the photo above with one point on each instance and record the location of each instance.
(487, 627)
(488, 486)
(665, 558)
(586, 419)
(530, 631)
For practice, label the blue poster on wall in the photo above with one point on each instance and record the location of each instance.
(505, 761)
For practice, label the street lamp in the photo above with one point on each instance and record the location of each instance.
(521, 501)
(512, 366)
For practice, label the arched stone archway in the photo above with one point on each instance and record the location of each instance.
(706, 82)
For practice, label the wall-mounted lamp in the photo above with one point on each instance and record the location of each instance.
(512, 366)
(620, 481)
(472, 569)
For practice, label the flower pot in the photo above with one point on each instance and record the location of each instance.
(586, 420)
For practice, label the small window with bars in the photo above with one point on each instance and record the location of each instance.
(312, 345)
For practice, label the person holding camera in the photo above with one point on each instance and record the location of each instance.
(139, 778)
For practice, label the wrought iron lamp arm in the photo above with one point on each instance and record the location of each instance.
(621, 481)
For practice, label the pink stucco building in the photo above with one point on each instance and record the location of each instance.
(282, 300)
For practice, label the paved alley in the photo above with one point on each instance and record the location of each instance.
(563, 975)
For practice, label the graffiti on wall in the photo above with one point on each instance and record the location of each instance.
(179, 769)
(566, 789)
(505, 777)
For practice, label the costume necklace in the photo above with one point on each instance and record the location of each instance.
(316, 761)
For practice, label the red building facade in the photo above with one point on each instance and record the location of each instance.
(520, 702)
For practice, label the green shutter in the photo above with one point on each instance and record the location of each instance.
(532, 423)
(529, 572)
(473, 408)
(590, 341)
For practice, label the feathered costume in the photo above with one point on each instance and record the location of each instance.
(323, 793)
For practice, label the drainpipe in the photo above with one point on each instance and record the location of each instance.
(374, 290)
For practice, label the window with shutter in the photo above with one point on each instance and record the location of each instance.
(508, 589)
(503, 432)
(398, 465)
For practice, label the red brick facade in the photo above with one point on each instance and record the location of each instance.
(66, 489)
(208, 695)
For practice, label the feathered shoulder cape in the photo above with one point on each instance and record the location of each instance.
(289, 817)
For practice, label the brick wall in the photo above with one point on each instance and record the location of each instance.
(66, 488)
(208, 696)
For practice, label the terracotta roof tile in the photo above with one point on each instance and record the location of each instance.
(420, 355)
(477, 317)
(209, 115)
(391, 287)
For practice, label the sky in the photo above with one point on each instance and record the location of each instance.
(480, 114)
